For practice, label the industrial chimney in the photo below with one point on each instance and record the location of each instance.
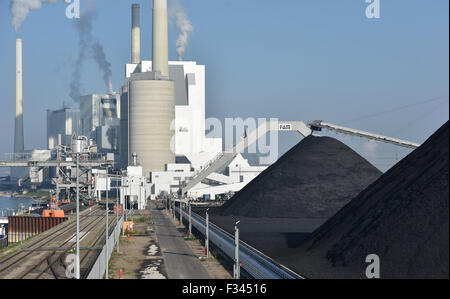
(160, 38)
(151, 102)
(18, 133)
(135, 34)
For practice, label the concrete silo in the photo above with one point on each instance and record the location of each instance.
(152, 102)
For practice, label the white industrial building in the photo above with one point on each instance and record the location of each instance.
(61, 125)
(100, 121)
(137, 190)
(98, 110)
(236, 175)
(193, 149)
(163, 120)
(189, 126)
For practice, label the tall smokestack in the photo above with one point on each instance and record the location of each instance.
(151, 103)
(135, 34)
(160, 38)
(18, 134)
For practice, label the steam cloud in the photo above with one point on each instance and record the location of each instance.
(84, 30)
(183, 24)
(21, 8)
(103, 64)
(88, 49)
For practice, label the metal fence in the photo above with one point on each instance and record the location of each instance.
(98, 269)
(17, 156)
(21, 228)
(254, 262)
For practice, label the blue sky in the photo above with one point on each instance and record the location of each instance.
(291, 59)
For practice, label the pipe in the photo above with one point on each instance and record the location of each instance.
(18, 133)
(135, 34)
(160, 39)
(134, 159)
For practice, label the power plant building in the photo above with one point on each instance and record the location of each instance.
(189, 140)
(163, 119)
(61, 125)
(100, 121)
(98, 110)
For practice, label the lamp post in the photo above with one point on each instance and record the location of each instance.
(207, 234)
(107, 228)
(181, 212)
(190, 219)
(77, 263)
(117, 217)
(237, 266)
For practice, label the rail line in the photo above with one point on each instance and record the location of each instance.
(51, 260)
(44, 240)
(10, 260)
(84, 255)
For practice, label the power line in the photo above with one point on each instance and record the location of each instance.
(394, 109)
(428, 113)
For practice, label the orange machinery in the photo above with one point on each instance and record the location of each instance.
(54, 211)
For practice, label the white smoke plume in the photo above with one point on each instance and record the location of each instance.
(21, 8)
(87, 48)
(183, 24)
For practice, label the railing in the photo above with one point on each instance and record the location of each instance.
(207, 165)
(29, 157)
(17, 157)
(4, 213)
(254, 262)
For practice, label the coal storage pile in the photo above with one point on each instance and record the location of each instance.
(314, 179)
(403, 218)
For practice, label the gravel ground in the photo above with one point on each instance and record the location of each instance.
(140, 257)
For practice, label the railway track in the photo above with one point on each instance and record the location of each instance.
(44, 258)
(55, 260)
(6, 262)
(53, 264)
